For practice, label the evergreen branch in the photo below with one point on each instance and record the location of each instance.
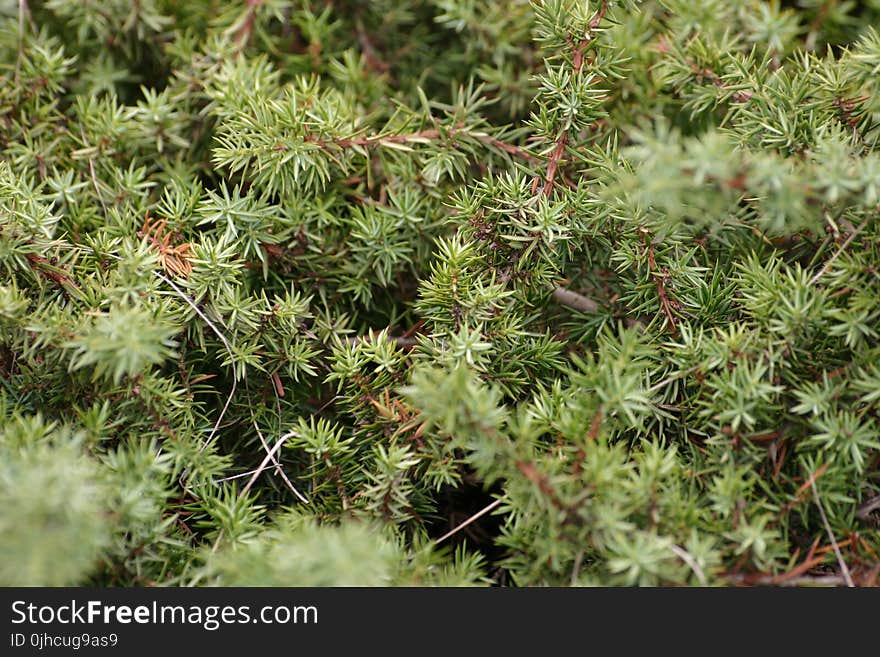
(542, 482)
(553, 163)
(558, 151)
(846, 109)
(578, 57)
(424, 136)
(562, 295)
(705, 73)
(324, 173)
(244, 27)
(659, 278)
(50, 271)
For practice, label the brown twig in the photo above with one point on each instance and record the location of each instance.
(705, 73)
(47, 270)
(800, 491)
(867, 508)
(279, 387)
(553, 163)
(574, 300)
(542, 481)
(846, 109)
(710, 75)
(413, 329)
(402, 341)
(576, 569)
(810, 561)
(596, 424)
(516, 151)
(659, 277)
(578, 57)
(371, 53)
(245, 31)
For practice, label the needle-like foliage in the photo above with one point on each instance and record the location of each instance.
(439, 292)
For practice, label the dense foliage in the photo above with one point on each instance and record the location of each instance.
(439, 292)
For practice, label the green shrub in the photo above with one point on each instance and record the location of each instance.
(439, 292)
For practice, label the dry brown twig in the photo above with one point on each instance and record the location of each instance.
(865, 510)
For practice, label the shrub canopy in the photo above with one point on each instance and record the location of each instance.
(559, 292)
